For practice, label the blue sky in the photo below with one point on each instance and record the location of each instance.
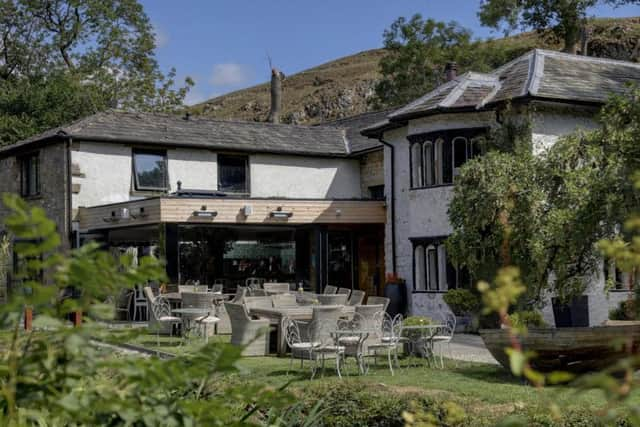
(223, 44)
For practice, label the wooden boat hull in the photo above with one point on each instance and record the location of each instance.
(568, 349)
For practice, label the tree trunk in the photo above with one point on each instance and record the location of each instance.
(276, 95)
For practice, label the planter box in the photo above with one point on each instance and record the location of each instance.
(568, 349)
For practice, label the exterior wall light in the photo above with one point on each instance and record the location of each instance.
(204, 213)
(279, 213)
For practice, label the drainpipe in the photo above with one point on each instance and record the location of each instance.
(393, 205)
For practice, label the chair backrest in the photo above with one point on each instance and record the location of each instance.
(330, 290)
(449, 320)
(254, 281)
(373, 300)
(277, 287)
(257, 292)
(356, 297)
(160, 307)
(197, 299)
(332, 299)
(217, 288)
(324, 321)
(368, 313)
(237, 313)
(220, 282)
(186, 288)
(241, 293)
(284, 300)
(291, 331)
(258, 302)
(344, 291)
(148, 292)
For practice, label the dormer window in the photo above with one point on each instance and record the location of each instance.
(150, 170)
(233, 173)
(436, 158)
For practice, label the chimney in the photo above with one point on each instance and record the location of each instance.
(450, 71)
(276, 95)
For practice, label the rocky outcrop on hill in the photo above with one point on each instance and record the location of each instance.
(343, 87)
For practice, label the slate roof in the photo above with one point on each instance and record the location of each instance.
(340, 138)
(354, 124)
(539, 74)
(174, 130)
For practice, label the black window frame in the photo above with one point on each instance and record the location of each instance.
(442, 157)
(436, 245)
(247, 177)
(26, 165)
(153, 152)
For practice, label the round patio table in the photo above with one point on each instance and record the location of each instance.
(421, 337)
(188, 314)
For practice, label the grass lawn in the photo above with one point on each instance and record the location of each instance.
(485, 391)
(480, 388)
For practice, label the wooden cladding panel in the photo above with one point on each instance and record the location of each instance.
(94, 218)
(230, 211)
(304, 211)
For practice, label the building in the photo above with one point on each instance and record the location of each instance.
(427, 141)
(219, 200)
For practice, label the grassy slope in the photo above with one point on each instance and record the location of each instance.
(321, 86)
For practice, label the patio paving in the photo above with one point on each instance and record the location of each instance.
(470, 348)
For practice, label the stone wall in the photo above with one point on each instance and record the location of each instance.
(53, 185)
(371, 171)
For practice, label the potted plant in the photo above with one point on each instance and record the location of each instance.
(395, 289)
(465, 305)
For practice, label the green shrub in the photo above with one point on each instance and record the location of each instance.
(528, 319)
(359, 404)
(626, 310)
(462, 301)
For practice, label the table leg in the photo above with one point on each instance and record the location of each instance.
(282, 345)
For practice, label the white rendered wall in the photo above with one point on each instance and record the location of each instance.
(197, 169)
(304, 177)
(106, 173)
(423, 212)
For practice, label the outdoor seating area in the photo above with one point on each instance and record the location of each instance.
(333, 327)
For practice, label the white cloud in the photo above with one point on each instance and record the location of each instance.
(162, 37)
(230, 74)
(194, 97)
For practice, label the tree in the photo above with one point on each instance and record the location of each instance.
(417, 52)
(565, 17)
(86, 55)
(545, 213)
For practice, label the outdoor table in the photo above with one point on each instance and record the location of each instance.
(275, 315)
(421, 333)
(357, 350)
(175, 298)
(188, 314)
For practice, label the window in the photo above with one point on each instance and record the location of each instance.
(150, 170)
(616, 278)
(433, 272)
(376, 192)
(459, 154)
(437, 163)
(233, 173)
(429, 164)
(30, 175)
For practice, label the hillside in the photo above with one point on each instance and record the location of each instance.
(342, 87)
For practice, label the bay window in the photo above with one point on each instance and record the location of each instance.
(436, 158)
